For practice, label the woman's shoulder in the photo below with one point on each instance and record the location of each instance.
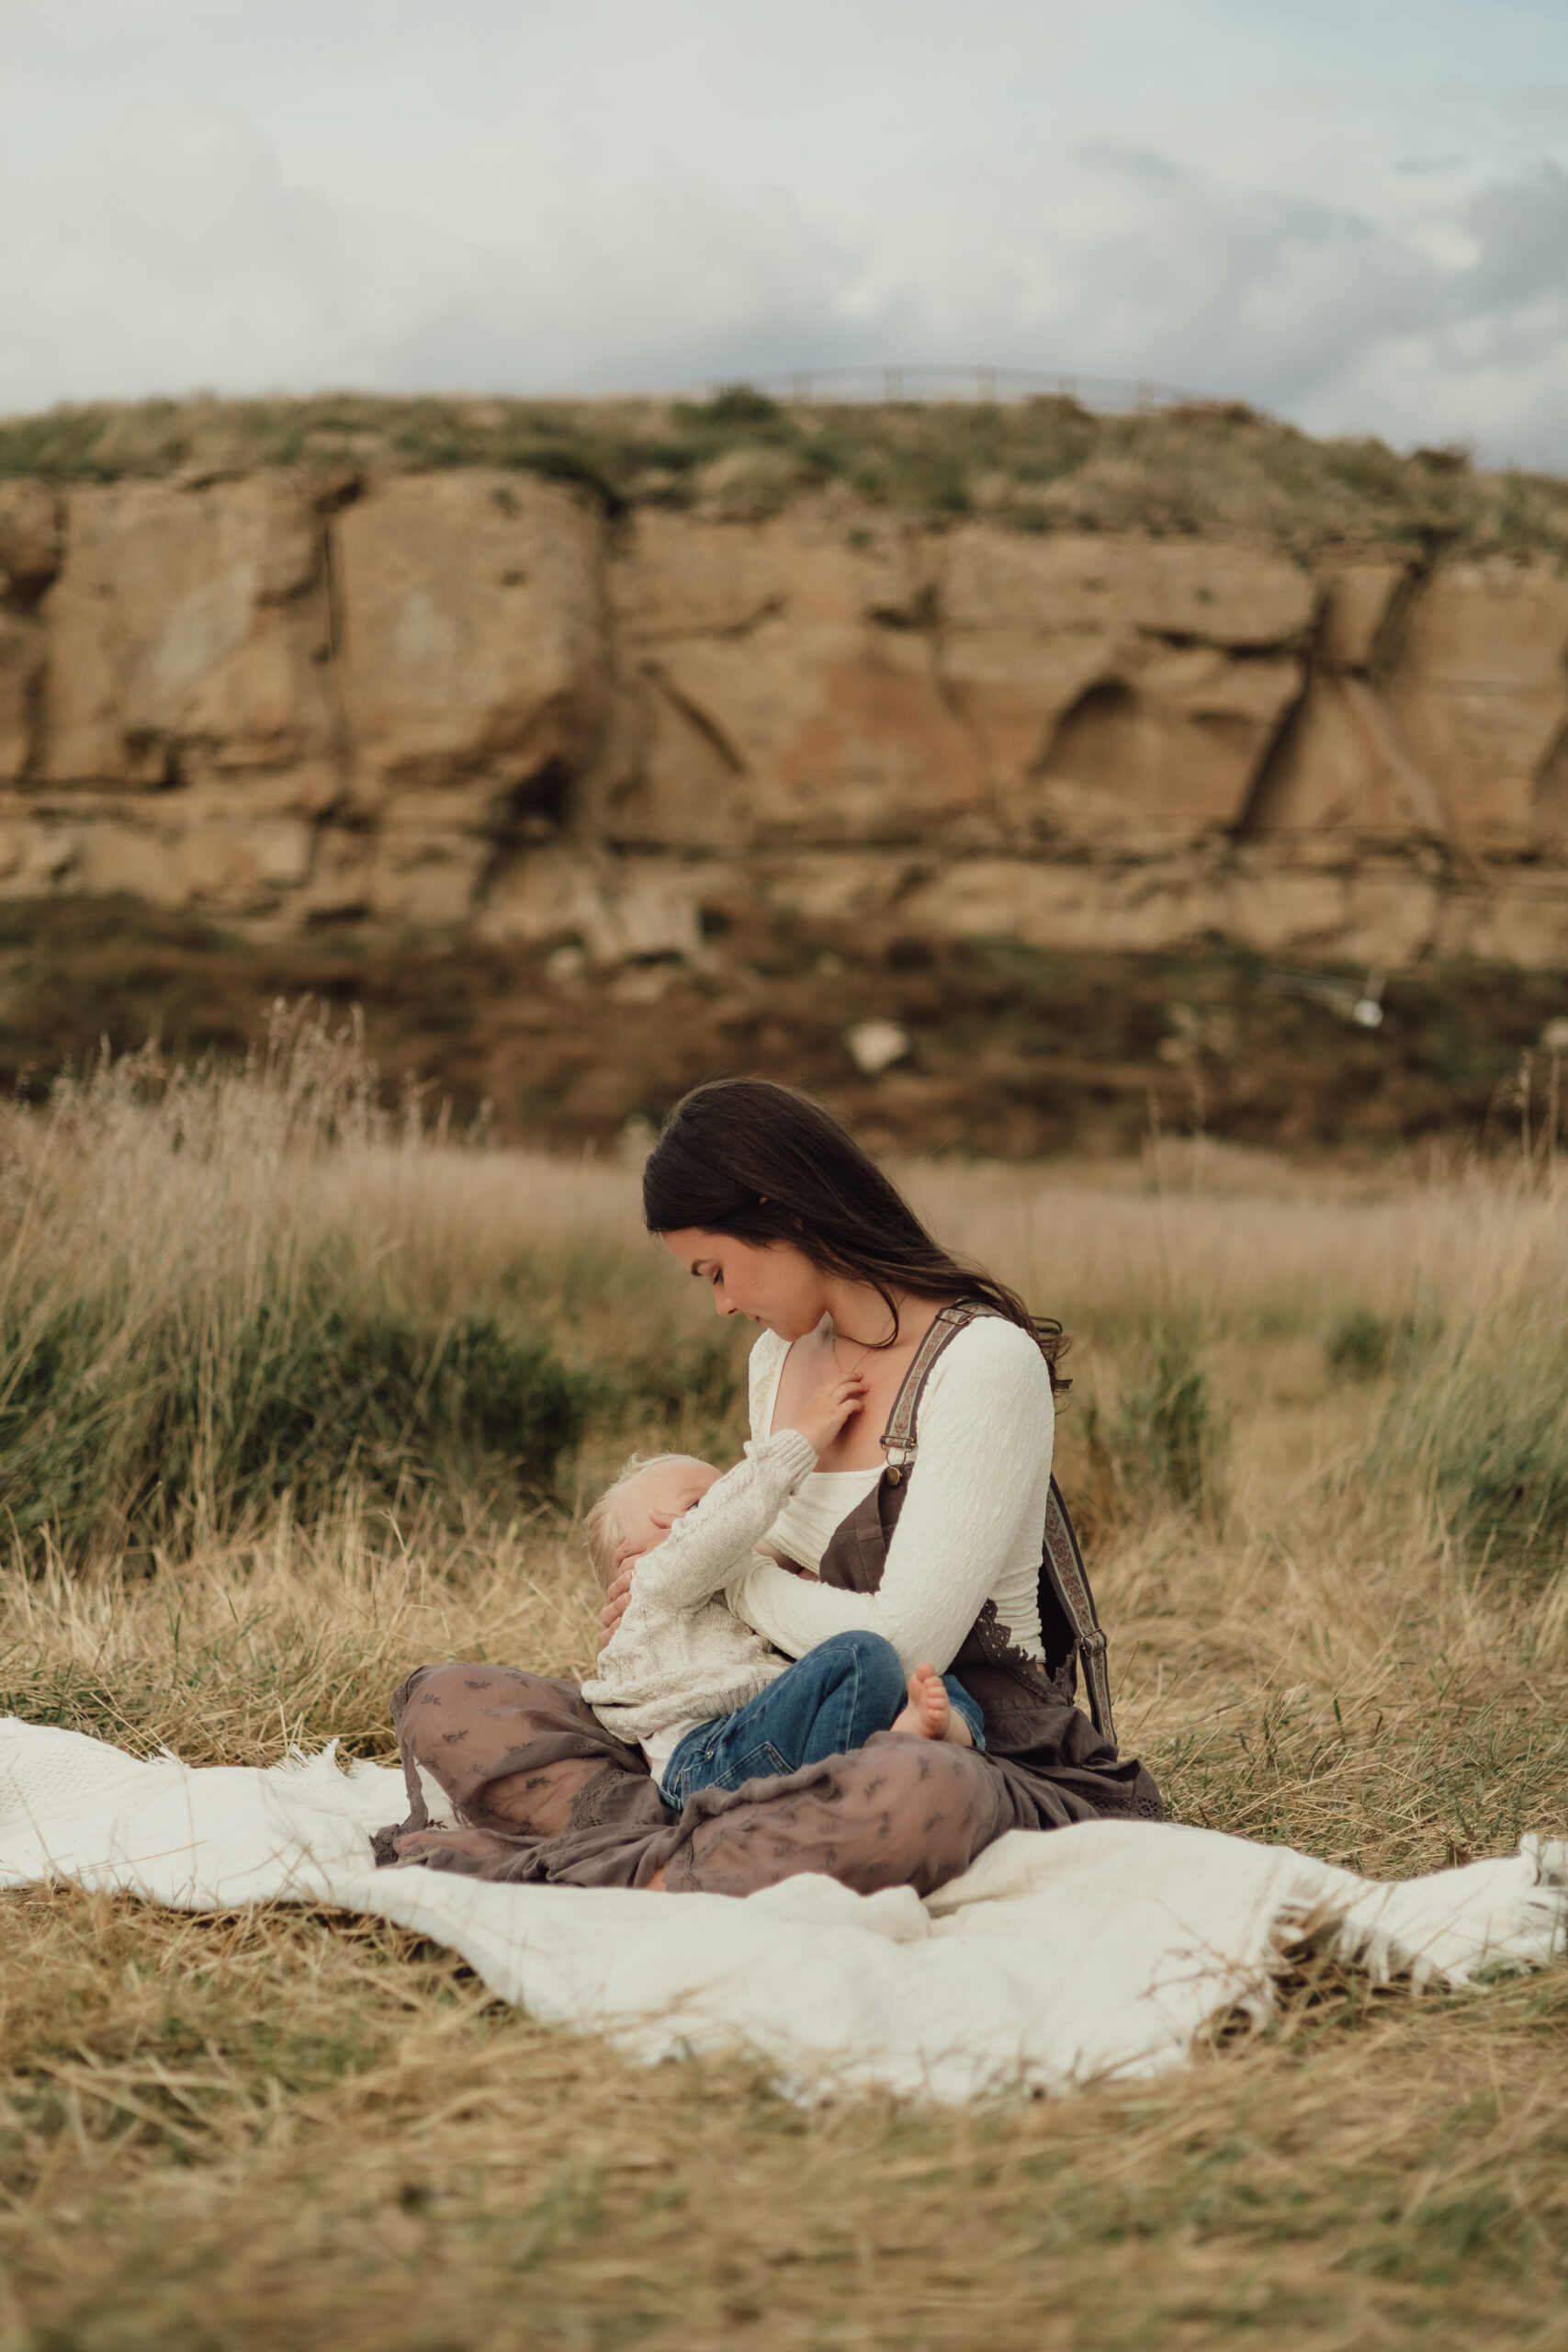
(993, 1354)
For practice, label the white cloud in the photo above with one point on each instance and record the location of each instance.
(505, 194)
(170, 256)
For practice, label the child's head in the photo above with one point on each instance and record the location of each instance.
(671, 1484)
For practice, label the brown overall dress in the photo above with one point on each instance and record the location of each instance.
(544, 1793)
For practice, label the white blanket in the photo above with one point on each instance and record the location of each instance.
(1098, 1950)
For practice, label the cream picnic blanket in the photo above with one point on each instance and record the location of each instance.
(1102, 1950)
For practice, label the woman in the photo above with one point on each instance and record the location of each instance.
(932, 1520)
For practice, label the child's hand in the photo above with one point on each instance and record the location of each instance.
(837, 1401)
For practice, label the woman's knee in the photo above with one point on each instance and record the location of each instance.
(460, 1687)
(491, 1738)
(898, 1813)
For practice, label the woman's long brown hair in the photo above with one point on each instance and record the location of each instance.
(744, 1157)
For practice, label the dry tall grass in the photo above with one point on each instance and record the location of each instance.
(1320, 1436)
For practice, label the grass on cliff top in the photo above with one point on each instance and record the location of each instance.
(1217, 470)
(1291, 1422)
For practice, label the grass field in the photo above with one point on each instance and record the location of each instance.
(1319, 1434)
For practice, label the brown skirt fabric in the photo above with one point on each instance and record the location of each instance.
(545, 1795)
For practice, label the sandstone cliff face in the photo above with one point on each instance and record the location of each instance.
(464, 700)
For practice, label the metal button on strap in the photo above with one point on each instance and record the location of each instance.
(900, 1457)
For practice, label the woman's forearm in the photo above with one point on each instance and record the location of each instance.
(795, 1612)
(925, 1626)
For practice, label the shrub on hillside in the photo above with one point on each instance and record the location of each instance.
(209, 1427)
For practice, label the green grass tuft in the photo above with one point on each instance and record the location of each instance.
(1480, 1419)
(1161, 1438)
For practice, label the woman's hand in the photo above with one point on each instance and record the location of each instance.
(614, 1607)
(628, 1552)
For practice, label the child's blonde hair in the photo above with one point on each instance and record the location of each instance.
(606, 1525)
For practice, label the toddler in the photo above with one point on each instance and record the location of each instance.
(709, 1701)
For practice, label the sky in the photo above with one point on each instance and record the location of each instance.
(1352, 213)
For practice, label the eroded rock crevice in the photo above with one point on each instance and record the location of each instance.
(464, 702)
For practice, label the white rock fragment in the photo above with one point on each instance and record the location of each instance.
(567, 966)
(875, 1045)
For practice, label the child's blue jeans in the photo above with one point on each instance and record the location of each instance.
(827, 1703)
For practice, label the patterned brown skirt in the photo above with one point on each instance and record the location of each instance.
(542, 1794)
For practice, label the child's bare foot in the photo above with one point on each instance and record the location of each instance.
(930, 1713)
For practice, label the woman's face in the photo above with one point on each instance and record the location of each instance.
(768, 1282)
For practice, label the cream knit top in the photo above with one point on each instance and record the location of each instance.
(973, 1521)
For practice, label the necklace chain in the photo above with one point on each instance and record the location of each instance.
(844, 1369)
(847, 1369)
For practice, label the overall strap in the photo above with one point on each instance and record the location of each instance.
(898, 1439)
(1063, 1563)
(1061, 1558)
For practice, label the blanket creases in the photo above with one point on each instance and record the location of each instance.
(1102, 1950)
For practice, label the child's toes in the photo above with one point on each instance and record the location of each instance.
(932, 1701)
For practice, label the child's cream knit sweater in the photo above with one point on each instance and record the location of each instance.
(678, 1655)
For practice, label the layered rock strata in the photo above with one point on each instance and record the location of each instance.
(467, 701)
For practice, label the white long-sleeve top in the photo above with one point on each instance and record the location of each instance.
(971, 1522)
(678, 1655)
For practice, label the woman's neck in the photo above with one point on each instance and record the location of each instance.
(858, 1314)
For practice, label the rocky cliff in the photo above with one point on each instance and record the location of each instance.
(476, 701)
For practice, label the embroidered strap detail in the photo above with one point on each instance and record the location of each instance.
(898, 1439)
(1061, 1559)
(1063, 1564)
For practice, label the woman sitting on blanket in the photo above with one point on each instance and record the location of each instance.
(925, 1534)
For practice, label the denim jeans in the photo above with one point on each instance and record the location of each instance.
(827, 1703)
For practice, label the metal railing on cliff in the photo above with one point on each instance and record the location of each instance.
(892, 382)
